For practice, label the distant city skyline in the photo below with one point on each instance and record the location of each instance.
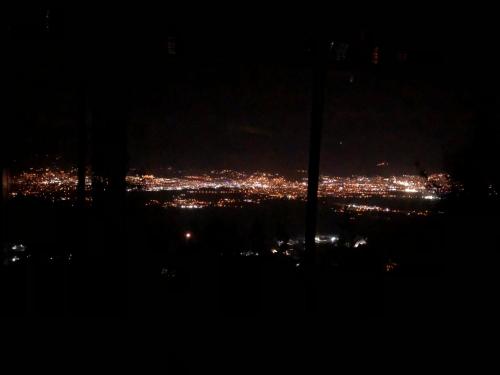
(226, 188)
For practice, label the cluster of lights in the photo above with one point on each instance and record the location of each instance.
(235, 189)
(294, 247)
(364, 208)
(406, 186)
(199, 191)
(52, 184)
(391, 266)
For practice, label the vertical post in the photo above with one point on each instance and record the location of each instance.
(5, 176)
(83, 126)
(5, 182)
(109, 162)
(3, 197)
(317, 109)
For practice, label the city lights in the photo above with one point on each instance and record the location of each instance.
(228, 188)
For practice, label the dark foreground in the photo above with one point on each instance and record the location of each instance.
(140, 263)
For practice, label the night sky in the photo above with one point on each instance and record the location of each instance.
(237, 92)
